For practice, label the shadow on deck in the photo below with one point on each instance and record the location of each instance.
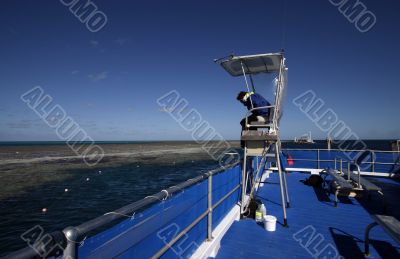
(316, 227)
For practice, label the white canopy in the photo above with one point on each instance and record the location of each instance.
(253, 64)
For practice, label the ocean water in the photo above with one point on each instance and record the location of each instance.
(37, 176)
(48, 175)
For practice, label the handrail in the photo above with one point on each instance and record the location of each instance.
(330, 160)
(249, 112)
(51, 246)
(337, 149)
(259, 108)
(373, 161)
(349, 164)
(195, 222)
(359, 174)
(162, 195)
(73, 234)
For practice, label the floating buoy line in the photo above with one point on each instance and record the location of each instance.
(67, 190)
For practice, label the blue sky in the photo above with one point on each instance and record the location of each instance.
(108, 81)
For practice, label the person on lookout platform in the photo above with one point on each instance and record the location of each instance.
(253, 100)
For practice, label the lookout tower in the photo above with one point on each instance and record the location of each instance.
(261, 139)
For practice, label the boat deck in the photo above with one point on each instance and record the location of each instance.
(322, 229)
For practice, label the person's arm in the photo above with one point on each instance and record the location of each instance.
(247, 103)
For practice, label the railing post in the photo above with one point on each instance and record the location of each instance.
(318, 158)
(209, 221)
(348, 170)
(373, 161)
(244, 181)
(341, 165)
(71, 251)
(335, 163)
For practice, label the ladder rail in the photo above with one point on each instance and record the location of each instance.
(269, 147)
(278, 163)
(261, 168)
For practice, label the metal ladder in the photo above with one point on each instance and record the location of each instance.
(263, 146)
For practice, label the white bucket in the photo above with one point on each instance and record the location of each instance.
(269, 223)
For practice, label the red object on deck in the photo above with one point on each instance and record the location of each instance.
(290, 160)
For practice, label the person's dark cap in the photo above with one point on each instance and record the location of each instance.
(241, 95)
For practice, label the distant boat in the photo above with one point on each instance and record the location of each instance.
(305, 139)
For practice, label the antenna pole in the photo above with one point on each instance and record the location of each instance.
(247, 84)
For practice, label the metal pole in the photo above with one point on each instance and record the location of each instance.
(277, 95)
(257, 163)
(284, 180)
(252, 83)
(335, 163)
(179, 236)
(341, 165)
(71, 251)
(209, 221)
(244, 169)
(366, 237)
(194, 223)
(278, 163)
(261, 167)
(247, 84)
(328, 140)
(348, 170)
(286, 190)
(318, 158)
(373, 161)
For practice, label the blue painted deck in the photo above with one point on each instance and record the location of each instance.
(340, 228)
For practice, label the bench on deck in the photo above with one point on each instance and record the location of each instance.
(388, 223)
(365, 185)
(339, 183)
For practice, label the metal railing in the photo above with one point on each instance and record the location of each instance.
(318, 161)
(349, 164)
(341, 150)
(268, 121)
(69, 238)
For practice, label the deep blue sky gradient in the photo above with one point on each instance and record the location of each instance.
(109, 81)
